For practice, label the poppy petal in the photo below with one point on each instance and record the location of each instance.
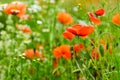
(100, 12)
(66, 51)
(64, 18)
(94, 19)
(116, 19)
(57, 52)
(29, 53)
(68, 35)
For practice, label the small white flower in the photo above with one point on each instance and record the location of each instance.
(75, 9)
(27, 41)
(39, 22)
(34, 8)
(45, 30)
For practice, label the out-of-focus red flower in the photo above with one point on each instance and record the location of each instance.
(64, 18)
(29, 53)
(24, 28)
(95, 54)
(62, 51)
(57, 53)
(38, 54)
(27, 30)
(116, 19)
(78, 47)
(68, 35)
(100, 12)
(15, 8)
(94, 19)
(65, 49)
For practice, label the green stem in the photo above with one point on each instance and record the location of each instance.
(21, 70)
(78, 66)
(89, 72)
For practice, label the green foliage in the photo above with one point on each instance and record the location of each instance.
(47, 35)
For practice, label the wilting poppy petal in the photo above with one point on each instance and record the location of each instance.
(64, 18)
(65, 49)
(57, 52)
(68, 35)
(94, 19)
(100, 12)
(29, 53)
(116, 19)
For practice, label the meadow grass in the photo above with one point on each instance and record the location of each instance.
(47, 34)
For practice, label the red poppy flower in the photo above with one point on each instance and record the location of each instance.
(116, 19)
(62, 51)
(94, 19)
(75, 29)
(57, 53)
(27, 30)
(85, 31)
(78, 47)
(65, 49)
(15, 8)
(78, 30)
(95, 54)
(37, 54)
(29, 53)
(100, 12)
(68, 35)
(72, 30)
(81, 30)
(64, 18)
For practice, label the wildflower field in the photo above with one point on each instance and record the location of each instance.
(60, 40)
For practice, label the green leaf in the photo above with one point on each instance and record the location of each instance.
(101, 49)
